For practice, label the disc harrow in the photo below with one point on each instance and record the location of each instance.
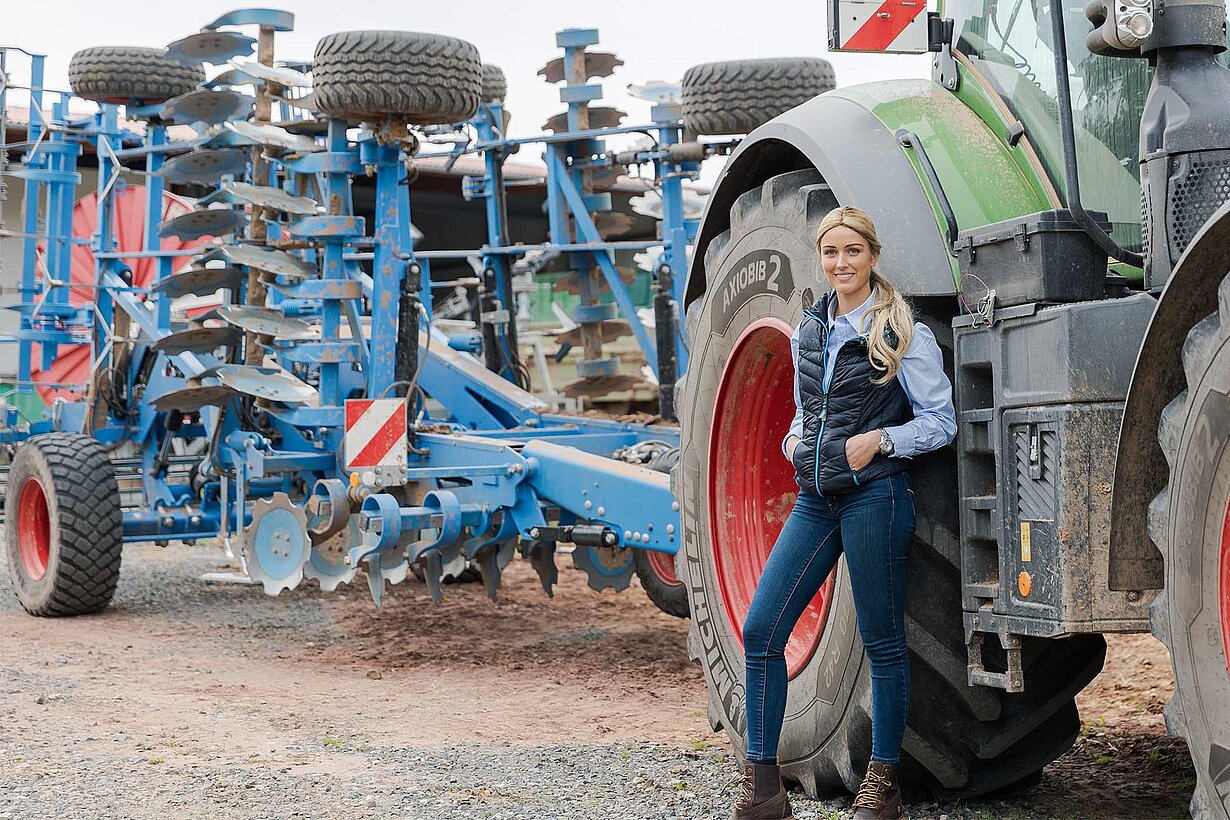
(335, 428)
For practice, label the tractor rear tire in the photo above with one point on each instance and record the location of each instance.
(737, 96)
(1190, 523)
(736, 489)
(119, 74)
(423, 79)
(495, 85)
(63, 525)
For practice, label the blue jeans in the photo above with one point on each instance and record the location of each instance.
(873, 525)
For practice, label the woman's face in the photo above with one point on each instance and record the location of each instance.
(847, 261)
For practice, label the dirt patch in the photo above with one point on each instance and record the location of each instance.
(1123, 764)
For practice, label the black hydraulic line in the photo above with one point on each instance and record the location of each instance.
(664, 332)
(910, 141)
(406, 356)
(1067, 131)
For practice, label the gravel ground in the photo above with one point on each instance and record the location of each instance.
(196, 700)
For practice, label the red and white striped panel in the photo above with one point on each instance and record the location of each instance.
(375, 433)
(891, 26)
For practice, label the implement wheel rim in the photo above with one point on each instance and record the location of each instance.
(33, 530)
(664, 567)
(751, 488)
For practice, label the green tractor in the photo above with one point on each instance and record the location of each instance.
(1054, 200)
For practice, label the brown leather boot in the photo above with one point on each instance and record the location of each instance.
(879, 798)
(763, 796)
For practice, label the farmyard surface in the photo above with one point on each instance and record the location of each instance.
(196, 700)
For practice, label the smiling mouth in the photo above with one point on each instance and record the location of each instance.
(844, 277)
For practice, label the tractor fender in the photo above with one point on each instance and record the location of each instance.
(849, 135)
(1140, 468)
(860, 159)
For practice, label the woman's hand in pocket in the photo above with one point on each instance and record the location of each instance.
(792, 447)
(861, 449)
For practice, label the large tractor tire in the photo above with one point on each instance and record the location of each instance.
(1190, 523)
(423, 79)
(736, 490)
(63, 525)
(737, 96)
(120, 74)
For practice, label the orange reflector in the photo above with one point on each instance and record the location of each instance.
(1024, 583)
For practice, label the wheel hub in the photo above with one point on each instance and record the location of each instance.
(751, 487)
(33, 530)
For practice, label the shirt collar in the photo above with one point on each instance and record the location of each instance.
(854, 317)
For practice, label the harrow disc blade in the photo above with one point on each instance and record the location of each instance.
(203, 222)
(267, 322)
(208, 105)
(327, 564)
(601, 385)
(215, 47)
(204, 166)
(605, 567)
(274, 74)
(610, 330)
(200, 282)
(194, 396)
(570, 282)
(265, 383)
(275, 261)
(600, 116)
(266, 134)
(268, 197)
(198, 340)
(597, 64)
(276, 545)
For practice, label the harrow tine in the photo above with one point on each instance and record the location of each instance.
(375, 577)
(433, 568)
(542, 559)
(489, 567)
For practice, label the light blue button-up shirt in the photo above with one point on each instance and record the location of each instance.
(921, 374)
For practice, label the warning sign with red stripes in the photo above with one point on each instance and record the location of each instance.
(892, 26)
(375, 433)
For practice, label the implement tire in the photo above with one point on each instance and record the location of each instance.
(1190, 523)
(63, 525)
(495, 85)
(736, 489)
(656, 570)
(119, 74)
(737, 96)
(423, 79)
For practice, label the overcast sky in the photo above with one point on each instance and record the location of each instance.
(518, 36)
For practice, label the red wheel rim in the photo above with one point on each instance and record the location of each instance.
(1223, 591)
(33, 530)
(663, 566)
(751, 487)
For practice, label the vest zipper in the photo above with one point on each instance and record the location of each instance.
(824, 406)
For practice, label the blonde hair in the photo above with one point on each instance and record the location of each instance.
(890, 311)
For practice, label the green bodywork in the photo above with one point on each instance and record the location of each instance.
(983, 178)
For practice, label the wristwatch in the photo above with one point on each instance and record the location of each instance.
(886, 443)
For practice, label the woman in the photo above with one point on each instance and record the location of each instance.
(871, 394)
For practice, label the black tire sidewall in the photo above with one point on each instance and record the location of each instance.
(1199, 488)
(28, 464)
